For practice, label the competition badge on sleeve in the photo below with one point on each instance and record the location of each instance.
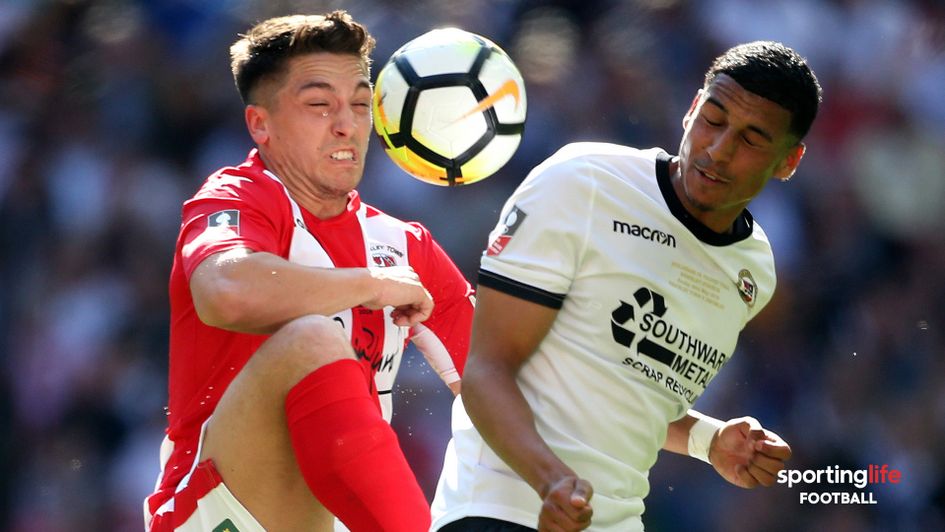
(223, 220)
(511, 223)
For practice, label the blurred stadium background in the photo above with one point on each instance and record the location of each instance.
(113, 111)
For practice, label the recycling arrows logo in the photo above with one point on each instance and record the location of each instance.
(626, 312)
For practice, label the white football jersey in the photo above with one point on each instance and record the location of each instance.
(651, 304)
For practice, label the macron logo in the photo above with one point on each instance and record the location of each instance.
(653, 235)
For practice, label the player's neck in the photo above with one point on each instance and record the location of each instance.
(714, 219)
(322, 204)
(320, 201)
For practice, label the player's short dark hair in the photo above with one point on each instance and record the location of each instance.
(774, 72)
(262, 53)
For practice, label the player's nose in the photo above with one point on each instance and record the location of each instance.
(722, 147)
(343, 122)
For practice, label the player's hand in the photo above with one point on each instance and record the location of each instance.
(748, 455)
(566, 506)
(400, 287)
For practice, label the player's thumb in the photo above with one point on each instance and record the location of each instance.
(582, 493)
(748, 425)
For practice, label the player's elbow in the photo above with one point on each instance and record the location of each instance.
(219, 297)
(482, 379)
(217, 303)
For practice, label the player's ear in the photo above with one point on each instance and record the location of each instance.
(789, 164)
(257, 122)
(687, 119)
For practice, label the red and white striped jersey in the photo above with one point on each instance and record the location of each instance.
(248, 207)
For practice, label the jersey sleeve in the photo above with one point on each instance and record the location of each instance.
(443, 339)
(229, 212)
(537, 245)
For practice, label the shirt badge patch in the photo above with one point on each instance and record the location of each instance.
(747, 287)
(383, 260)
(510, 224)
(228, 219)
(383, 255)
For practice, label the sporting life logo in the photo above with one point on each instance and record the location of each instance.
(835, 476)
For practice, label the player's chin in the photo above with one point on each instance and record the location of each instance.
(344, 180)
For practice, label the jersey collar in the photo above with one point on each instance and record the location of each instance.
(351, 210)
(744, 224)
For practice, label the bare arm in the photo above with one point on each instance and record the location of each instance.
(677, 434)
(250, 292)
(506, 331)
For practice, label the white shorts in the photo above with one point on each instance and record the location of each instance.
(202, 502)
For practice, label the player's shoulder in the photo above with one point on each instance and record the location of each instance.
(585, 165)
(607, 159)
(758, 239)
(248, 179)
(590, 151)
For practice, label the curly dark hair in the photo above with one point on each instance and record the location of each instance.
(261, 53)
(774, 72)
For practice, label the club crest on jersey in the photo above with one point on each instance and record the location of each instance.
(383, 260)
(228, 219)
(510, 224)
(747, 287)
(383, 255)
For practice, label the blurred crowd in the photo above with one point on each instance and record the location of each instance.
(113, 111)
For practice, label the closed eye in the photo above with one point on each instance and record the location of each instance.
(712, 122)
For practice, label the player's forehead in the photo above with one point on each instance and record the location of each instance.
(327, 71)
(724, 94)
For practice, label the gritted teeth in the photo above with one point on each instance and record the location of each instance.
(342, 155)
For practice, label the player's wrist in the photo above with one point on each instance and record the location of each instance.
(373, 282)
(701, 435)
(548, 477)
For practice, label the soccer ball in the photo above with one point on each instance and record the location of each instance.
(449, 107)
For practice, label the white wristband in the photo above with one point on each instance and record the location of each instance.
(700, 437)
